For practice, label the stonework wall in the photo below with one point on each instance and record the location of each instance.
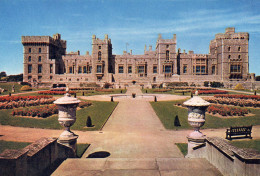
(229, 160)
(41, 156)
(226, 61)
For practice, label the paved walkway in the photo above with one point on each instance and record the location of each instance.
(135, 131)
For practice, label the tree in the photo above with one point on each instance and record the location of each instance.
(89, 122)
(177, 121)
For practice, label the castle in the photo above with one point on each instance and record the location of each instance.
(47, 63)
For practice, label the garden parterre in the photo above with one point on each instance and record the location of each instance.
(10, 102)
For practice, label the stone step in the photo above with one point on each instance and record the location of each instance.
(137, 167)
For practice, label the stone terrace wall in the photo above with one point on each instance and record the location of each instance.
(229, 159)
(42, 156)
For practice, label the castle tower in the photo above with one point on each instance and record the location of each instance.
(42, 57)
(230, 49)
(166, 53)
(101, 55)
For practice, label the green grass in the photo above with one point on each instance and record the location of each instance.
(81, 148)
(255, 144)
(98, 111)
(8, 87)
(12, 145)
(183, 148)
(167, 113)
(93, 92)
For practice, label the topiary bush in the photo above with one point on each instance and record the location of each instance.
(239, 87)
(26, 88)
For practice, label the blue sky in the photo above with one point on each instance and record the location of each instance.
(136, 22)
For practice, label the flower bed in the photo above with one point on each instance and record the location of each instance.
(234, 101)
(162, 90)
(43, 111)
(84, 104)
(227, 111)
(49, 92)
(254, 97)
(211, 92)
(19, 98)
(25, 103)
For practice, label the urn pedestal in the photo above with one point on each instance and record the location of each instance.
(67, 106)
(196, 118)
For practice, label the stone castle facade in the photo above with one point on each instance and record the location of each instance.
(47, 63)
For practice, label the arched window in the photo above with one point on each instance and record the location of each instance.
(99, 55)
(239, 48)
(229, 48)
(239, 56)
(229, 56)
(167, 55)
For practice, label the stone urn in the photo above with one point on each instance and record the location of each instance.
(67, 106)
(196, 118)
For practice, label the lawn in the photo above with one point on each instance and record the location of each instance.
(167, 113)
(93, 92)
(98, 111)
(8, 87)
(255, 144)
(183, 148)
(172, 91)
(81, 148)
(12, 145)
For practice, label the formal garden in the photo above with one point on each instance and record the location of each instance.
(40, 112)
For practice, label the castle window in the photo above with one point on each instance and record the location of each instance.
(30, 50)
(213, 70)
(185, 69)
(154, 69)
(29, 78)
(129, 69)
(39, 58)
(39, 68)
(239, 56)
(99, 69)
(90, 69)
(229, 48)
(84, 69)
(235, 69)
(167, 55)
(99, 55)
(239, 48)
(50, 77)
(80, 70)
(70, 69)
(140, 69)
(29, 59)
(29, 68)
(51, 67)
(229, 56)
(121, 69)
(99, 47)
(40, 50)
(167, 69)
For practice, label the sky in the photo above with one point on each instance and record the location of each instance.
(133, 22)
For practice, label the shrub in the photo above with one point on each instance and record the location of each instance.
(216, 84)
(89, 122)
(239, 87)
(26, 88)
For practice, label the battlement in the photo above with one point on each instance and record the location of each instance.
(96, 40)
(56, 40)
(230, 34)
